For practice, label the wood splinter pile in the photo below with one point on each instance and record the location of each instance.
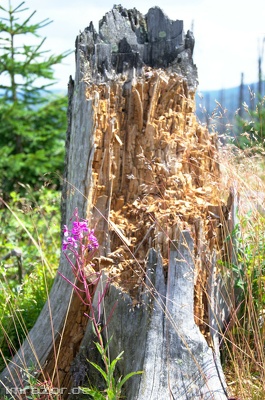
(155, 173)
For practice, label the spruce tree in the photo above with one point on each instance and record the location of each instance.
(32, 121)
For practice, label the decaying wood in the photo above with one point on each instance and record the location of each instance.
(146, 175)
(160, 335)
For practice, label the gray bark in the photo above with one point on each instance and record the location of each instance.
(159, 335)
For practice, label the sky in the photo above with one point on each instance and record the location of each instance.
(228, 33)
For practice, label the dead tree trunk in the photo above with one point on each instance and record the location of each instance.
(146, 175)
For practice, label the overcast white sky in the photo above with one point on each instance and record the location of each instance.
(228, 33)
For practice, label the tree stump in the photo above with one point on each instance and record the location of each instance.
(146, 175)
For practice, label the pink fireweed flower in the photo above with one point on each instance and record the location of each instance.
(70, 241)
(79, 236)
(78, 229)
(65, 231)
(93, 242)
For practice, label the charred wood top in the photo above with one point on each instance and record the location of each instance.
(128, 40)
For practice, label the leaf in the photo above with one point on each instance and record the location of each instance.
(103, 373)
(112, 394)
(114, 362)
(100, 349)
(108, 343)
(125, 379)
(95, 393)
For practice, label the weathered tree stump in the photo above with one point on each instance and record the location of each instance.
(146, 175)
(160, 335)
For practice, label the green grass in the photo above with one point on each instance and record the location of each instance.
(243, 347)
(31, 226)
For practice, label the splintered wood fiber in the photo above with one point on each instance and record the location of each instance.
(155, 173)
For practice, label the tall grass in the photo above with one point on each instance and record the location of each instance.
(243, 344)
(243, 168)
(29, 254)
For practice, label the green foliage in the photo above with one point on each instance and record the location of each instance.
(32, 124)
(24, 64)
(113, 386)
(40, 137)
(252, 256)
(33, 227)
(244, 342)
(249, 271)
(252, 127)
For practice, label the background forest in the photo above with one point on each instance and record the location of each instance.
(33, 123)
